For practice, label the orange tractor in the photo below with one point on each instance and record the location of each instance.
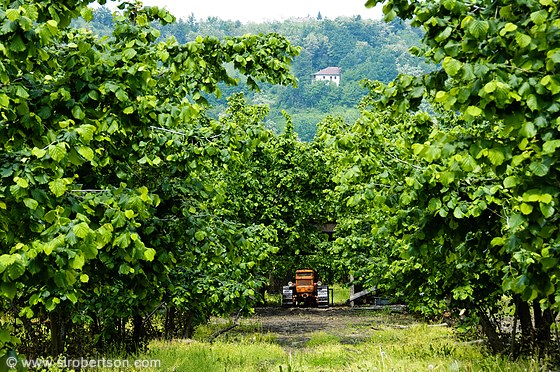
(307, 290)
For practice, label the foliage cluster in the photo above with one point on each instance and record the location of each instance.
(119, 195)
(459, 209)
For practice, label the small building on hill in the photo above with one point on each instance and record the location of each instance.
(331, 74)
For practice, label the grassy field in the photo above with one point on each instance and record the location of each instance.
(414, 349)
(328, 340)
(377, 341)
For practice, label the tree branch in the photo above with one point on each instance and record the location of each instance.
(221, 331)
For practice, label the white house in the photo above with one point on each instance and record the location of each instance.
(328, 74)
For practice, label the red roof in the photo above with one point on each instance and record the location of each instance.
(329, 71)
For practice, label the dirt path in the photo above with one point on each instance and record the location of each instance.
(293, 327)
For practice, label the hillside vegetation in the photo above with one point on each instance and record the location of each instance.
(363, 49)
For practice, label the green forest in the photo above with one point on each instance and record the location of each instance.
(157, 172)
(363, 49)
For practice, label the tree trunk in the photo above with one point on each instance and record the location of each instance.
(170, 323)
(513, 341)
(489, 329)
(187, 324)
(138, 333)
(543, 324)
(58, 332)
(524, 315)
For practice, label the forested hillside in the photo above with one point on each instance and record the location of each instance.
(363, 49)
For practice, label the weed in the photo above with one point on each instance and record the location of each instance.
(323, 338)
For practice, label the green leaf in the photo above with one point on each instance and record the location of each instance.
(57, 187)
(21, 182)
(444, 35)
(498, 241)
(549, 263)
(434, 205)
(123, 240)
(81, 230)
(8, 290)
(515, 221)
(539, 17)
(86, 152)
(532, 195)
(86, 132)
(550, 147)
(490, 87)
(508, 27)
(129, 53)
(526, 208)
(38, 153)
(71, 238)
(18, 45)
(121, 95)
(553, 57)
(451, 66)
(77, 262)
(51, 303)
(124, 269)
(52, 24)
(200, 235)
(539, 168)
(496, 156)
(149, 254)
(118, 220)
(12, 14)
(16, 269)
(473, 111)
(4, 100)
(78, 113)
(458, 213)
(522, 40)
(49, 247)
(72, 297)
(469, 163)
(478, 28)
(84, 278)
(547, 210)
(510, 182)
(57, 151)
(528, 130)
(87, 14)
(533, 102)
(31, 203)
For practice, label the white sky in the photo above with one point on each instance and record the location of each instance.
(257, 11)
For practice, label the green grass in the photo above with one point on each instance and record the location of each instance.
(398, 350)
(220, 356)
(341, 294)
(417, 347)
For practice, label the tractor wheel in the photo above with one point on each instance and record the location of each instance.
(323, 296)
(287, 296)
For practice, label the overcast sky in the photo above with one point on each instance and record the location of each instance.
(261, 10)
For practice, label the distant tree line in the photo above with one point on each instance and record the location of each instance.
(362, 48)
